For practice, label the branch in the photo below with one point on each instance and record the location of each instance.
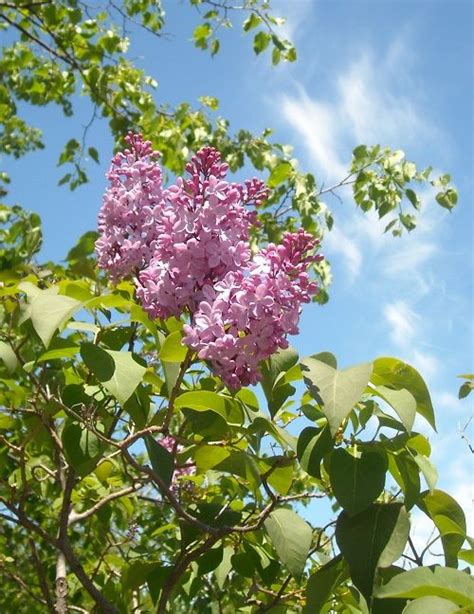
(79, 516)
(28, 5)
(42, 578)
(174, 393)
(179, 569)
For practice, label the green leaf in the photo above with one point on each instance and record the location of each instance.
(251, 22)
(413, 198)
(204, 400)
(64, 351)
(402, 401)
(280, 362)
(447, 199)
(338, 390)
(209, 101)
(398, 375)
(277, 372)
(357, 482)
(94, 154)
(118, 372)
(374, 538)
(451, 584)
(465, 390)
(282, 475)
(449, 519)
(433, 605)
(313, 445)
(261, 42)
(222, 572)
(280, 174)
(49, 312)
(207, 456)
(162, 461)
(82, 448)
(173, 349)
(407, 475)
(322, 584)
(466, 555)
(7, 355)
(428, 470)
(291, 536)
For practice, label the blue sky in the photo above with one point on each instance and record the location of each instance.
(398, 73)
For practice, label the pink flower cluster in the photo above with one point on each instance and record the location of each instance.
(130, 210)
(187, 247)
(247, 316)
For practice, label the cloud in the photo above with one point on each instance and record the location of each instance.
(338, 241)
(403, 322)
(297, 15)
(365, 106)
(427, 364)
(316, 124)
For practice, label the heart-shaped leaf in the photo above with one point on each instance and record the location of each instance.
(338, 390)
(291, 536)
(357, 482)
(374, 538)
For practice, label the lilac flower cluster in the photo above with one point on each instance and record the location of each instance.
(130, 209)
(187, 247)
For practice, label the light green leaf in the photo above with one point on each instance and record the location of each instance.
(49, 312)
(222, 572)
(251, 22)
(207, 457)
(204, 400)
(444, 582)
(291, 536)
(118, 372)
(433, 605)
(428, 470)
(261, 42)
(449, 519)
(402, 401)
(338, 390)
(398, 375)
(173, 349)
(279, 174)
(8, 356)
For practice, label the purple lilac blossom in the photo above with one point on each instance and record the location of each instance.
(131, 206)
(187, 247)
(248, 315)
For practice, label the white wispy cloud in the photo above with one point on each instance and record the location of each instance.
(297, 16)
(403, 322)
(338, 241)
(366, 107)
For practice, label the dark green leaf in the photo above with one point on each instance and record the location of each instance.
(374, 538)
(357, 482)
(313, 445)
(161, 460)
